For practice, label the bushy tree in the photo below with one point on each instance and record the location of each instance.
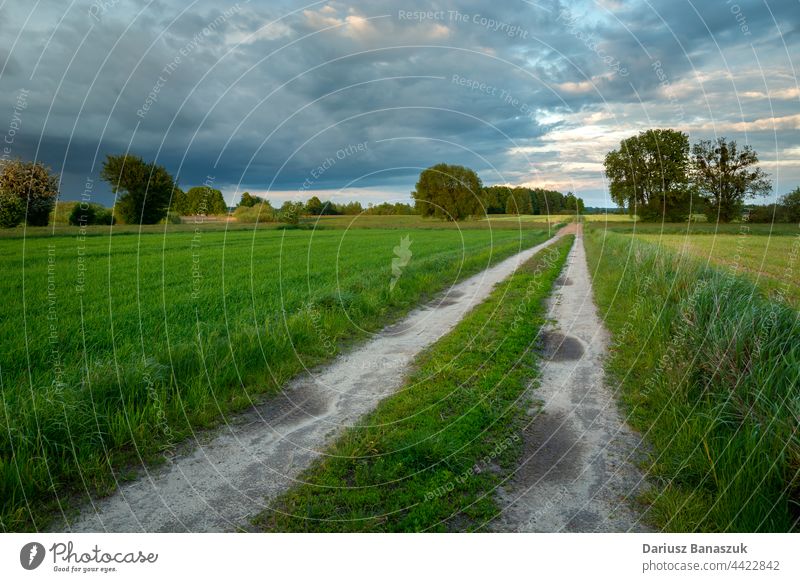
(199, 200)
(649, 174)
(727, 176)
(261, 212)
(290, 212)
(84, 214)
(314, 206)
(448, 191)
(12, 209)
(248, 200)
(144, 189)
(791, 205)
(34, 185)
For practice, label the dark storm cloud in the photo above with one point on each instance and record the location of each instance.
(258, 94)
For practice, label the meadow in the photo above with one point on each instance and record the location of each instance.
(766, 260)
(497, 219)
(768, 255)
(613, 218)
(118, 347)
(708, 368)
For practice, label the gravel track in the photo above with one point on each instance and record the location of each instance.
(578, 471)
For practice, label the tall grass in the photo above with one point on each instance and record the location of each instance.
(710, 371)
(116, 348)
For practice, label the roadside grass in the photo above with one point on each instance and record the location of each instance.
(116, 348)
(429, 457)
(709, 370)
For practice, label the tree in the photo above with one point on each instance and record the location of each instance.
(351, 208)
(791, 205)
(248, 200)
(649, 175)
(199, 200)
(727, 176)
(314, 206)
(547, 201)
(495, 199)
(34, 185)
(448, 191)
(290, 212)
(144, 190)
(570, 202)
(12, 209)
(519, 202)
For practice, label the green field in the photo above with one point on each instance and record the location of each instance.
(709, 371)
(624, 218)
(766, 260)
(116, 346)
(411, 465)
(769, 255)
(504, 219)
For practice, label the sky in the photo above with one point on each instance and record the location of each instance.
(351, 100)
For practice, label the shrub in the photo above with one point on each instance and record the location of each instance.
(290, 212)
(767, 214)
(171, 218)
(253, 214)
(12, 209)
(88, 214)
(34, 185)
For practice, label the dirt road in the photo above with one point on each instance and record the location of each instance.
(232, 474)
(578, 472)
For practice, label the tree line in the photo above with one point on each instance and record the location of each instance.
(146, 193)
(453, 192)
(658, 175)
(314, 207)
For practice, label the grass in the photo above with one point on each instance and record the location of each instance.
(763, 259)
(217, 223)
(117, 347)
(498, 219)
(429, 457)
(663, 228)
(709, 370)
(622, 218)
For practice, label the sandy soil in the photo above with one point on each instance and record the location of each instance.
(232, 474)
(578, 471)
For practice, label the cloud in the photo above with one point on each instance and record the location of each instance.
(276, 88)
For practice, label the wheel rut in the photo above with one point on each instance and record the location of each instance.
(578, 471)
